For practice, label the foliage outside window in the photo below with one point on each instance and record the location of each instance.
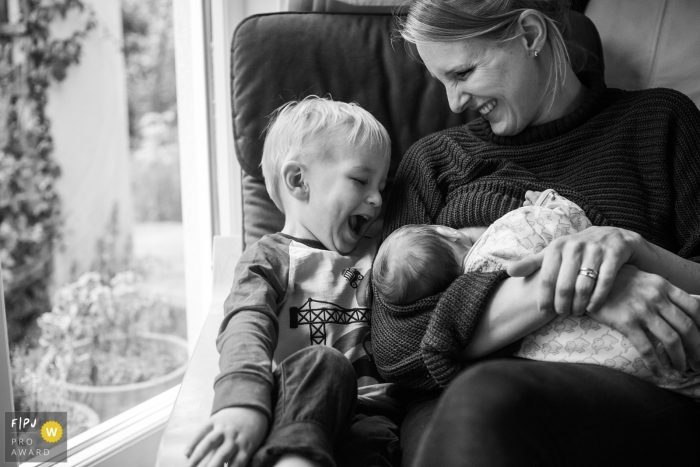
(30, 208)
(105, 328)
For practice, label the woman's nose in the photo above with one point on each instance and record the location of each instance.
(458, 100)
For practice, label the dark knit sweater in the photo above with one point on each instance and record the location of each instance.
(629, 159)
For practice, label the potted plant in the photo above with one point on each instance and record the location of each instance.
(35, 391)
(98, 341)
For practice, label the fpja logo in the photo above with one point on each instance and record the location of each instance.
(35, 436)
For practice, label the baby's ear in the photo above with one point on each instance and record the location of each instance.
(293, 180)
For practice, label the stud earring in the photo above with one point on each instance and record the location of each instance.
(535, 54)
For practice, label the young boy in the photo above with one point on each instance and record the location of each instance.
(294, 339)
(417, 261)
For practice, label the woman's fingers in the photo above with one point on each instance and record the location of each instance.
(607, 271)
(689, 304)
(562, 288)
(583, 291)
(685, 319)
(526, 266)
(646, 349)
(588, 278)
(643, 303)
(565, 288)
(664, 332)
(549, 272)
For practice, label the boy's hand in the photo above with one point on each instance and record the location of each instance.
(531, 197)
(232, 434)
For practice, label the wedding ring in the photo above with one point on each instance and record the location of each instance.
(592, 273)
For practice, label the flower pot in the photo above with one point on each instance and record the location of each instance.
(81, 418)
(109, 401)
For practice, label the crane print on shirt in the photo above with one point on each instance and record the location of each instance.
(321, 306)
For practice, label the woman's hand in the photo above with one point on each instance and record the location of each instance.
(230, 435)
(562, 287)
(641, 305)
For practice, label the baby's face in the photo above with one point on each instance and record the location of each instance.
(459, 242)
(345, 186)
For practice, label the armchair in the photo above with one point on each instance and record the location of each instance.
(285, 56)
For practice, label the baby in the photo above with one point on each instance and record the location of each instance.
(297, 386)
(418, 261)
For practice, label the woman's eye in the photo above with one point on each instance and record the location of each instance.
(463, 74)
(360, 181)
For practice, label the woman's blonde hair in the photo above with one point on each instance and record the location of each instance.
(298, 130)
(431, 21)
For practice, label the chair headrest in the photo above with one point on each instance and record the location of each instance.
(280, 57)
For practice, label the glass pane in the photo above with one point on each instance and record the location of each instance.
(90, 214)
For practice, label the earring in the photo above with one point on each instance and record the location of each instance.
(535, 54)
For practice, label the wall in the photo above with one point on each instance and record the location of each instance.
(88, 111)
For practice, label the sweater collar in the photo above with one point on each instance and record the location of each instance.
(304, 241)
(535, 134)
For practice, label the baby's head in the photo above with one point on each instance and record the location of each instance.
(325, 164)
(417, 261)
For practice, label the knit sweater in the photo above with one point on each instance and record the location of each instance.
(629, 159)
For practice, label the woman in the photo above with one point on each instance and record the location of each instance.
(630, 160)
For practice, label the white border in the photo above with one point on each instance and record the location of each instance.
(193, 131)
(225, 16)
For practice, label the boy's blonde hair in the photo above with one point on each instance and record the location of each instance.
(294, 129)
(414, 262)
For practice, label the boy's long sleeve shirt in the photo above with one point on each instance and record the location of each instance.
(289, 294)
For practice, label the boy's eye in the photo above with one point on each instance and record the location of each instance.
(360, 181)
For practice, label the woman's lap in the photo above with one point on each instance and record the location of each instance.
(505, 412)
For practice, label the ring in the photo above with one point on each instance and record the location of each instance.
(592, 273)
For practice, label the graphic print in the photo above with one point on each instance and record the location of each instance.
(353, 276)
(316, 314)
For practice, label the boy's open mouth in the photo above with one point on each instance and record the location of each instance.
(357, 222)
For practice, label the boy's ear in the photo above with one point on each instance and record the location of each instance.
(294, 181)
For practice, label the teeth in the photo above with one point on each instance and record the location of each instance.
(485, 109)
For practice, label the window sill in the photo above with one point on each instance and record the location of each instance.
(117, 434)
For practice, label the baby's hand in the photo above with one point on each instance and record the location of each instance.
(467, 235)
(232, 434)
(531, 197)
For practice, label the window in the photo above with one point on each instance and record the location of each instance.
(90, 210)
(103, 145)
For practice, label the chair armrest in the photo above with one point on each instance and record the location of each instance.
(194, 400)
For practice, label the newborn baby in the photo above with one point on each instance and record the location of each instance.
(417, 261)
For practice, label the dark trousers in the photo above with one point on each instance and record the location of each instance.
(316, 415)
(508, 412)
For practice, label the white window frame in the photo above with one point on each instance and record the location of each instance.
(194, 143)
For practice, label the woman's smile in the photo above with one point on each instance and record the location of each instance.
(502, 82)
(488, 107)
